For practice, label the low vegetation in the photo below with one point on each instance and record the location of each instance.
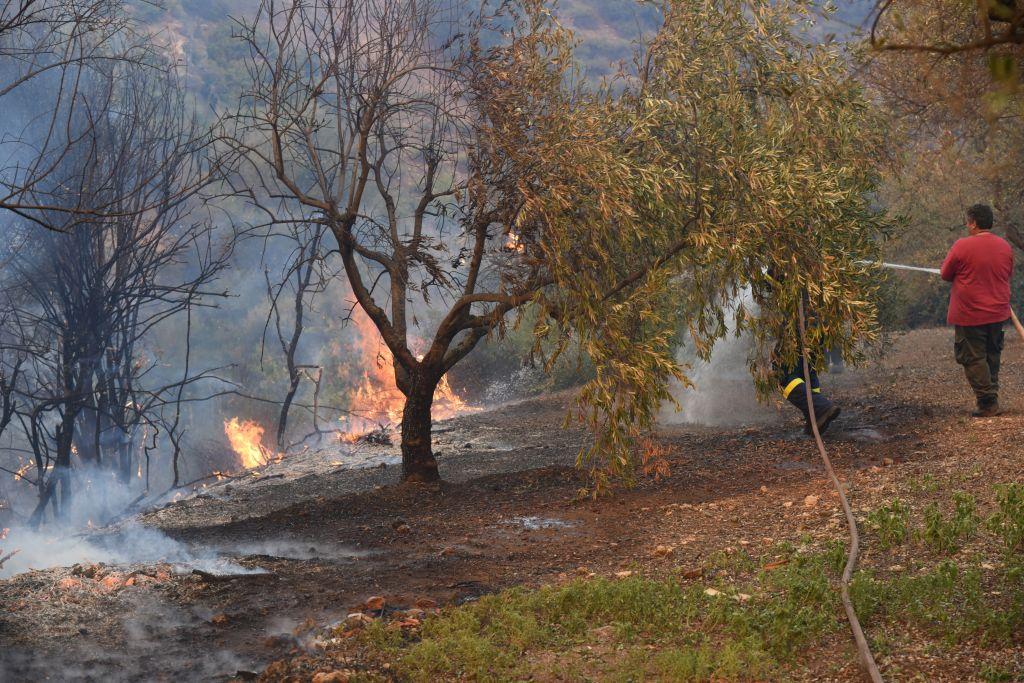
(668, 628)
(741, 617)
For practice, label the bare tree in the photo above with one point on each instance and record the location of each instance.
(50, 51)
(360, 120)
(86, 292)
(304, 278)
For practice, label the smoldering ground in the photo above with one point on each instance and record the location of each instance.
(133, 630)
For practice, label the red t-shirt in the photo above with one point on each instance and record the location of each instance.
(979, 268)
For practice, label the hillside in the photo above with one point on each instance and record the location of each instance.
(606, 30)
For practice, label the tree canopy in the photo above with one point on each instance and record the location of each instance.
(731, 155)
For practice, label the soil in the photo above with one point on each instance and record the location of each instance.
(508, 514)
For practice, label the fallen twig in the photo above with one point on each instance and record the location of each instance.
(7, 557)
(210, 577)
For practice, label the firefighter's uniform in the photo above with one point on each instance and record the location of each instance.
(794, 390)
(792, 383)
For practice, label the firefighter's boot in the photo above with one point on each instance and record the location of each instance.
(824, 410)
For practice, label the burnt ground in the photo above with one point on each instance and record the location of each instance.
(507, 515)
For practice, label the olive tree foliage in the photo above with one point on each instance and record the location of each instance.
(457, 160)
(732, 155)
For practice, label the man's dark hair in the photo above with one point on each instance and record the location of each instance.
(981, 214)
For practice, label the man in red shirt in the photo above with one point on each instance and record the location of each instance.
(980, 266)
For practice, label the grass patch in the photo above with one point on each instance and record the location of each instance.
(891, 523)
(756, 627)
(747, 631)
(696, 636)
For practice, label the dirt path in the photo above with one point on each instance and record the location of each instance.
(506, 516)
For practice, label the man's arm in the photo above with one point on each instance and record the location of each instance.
(951, 265)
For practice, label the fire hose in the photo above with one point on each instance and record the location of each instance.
(863, 649)
(867, 659)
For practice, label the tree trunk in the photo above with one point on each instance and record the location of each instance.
(418, 463)
(282, 419)
(62, 467)
(87, 436)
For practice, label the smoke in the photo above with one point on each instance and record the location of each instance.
(723, 394)
(75, 537)
(150, 640)
(131, 544)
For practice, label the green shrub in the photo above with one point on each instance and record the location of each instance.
(946, 535)
(948, 602)
(890, 523)
(1008, 522)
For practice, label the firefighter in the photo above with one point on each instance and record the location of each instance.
(791, 379)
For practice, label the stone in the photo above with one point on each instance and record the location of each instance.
(358, 620)
(339, 676)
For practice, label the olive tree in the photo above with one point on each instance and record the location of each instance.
(732, 155)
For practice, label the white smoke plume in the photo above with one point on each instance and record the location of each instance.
(723, 394)
(77, 537)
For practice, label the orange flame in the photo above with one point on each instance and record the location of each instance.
(20, 473)
(246, 439)
(514, 243)
(376, 401)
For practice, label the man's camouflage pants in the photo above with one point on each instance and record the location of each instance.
(978, 348)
